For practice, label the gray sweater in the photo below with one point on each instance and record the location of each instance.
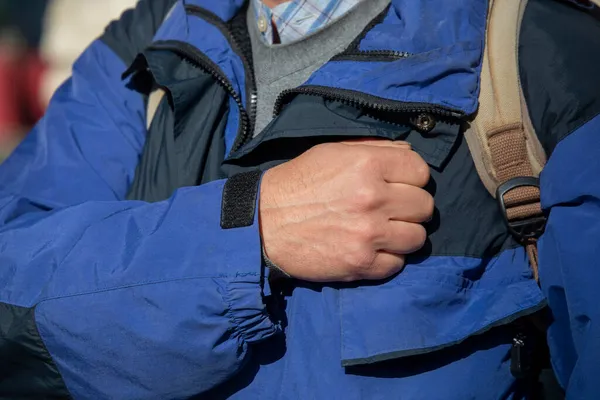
(281, 67)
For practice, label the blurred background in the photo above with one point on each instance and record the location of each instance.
(39, 40)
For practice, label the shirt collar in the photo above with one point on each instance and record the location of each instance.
(296, 19)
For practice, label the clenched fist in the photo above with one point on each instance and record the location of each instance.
(345, 211)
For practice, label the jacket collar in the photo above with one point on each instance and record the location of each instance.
(438, 46)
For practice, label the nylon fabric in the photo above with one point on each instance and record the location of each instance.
(561, 90)
(75, 250)
(174, 154)
(155, 301)
(477, 295)
(286, 369)
(28, 371)
(399, 80)
(131, 33)
(568, 257)
(126, 304)
(443, 67)
(53, 170)
(207, 38)
(210, 40)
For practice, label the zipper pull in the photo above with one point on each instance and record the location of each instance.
(521, 362)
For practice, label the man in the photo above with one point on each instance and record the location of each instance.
(144, 255)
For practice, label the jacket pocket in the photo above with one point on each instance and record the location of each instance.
(435, 303)
(311, 120)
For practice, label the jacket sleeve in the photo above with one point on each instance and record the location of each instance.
(102, 298)
(570, 259)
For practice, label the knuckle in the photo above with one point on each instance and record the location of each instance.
(366, 162)
(367, 231)
(366, 197)
(420, 169)
(359, 261)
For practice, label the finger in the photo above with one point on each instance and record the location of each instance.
(385, 265)
(378, 143)
(408, 203)
(398, 165)
(402, 237)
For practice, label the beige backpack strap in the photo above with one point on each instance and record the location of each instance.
(157, 94)
(153, 102)
(506, 151)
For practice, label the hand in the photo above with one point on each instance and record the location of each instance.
(345, 211)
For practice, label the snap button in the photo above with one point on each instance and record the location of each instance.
(425, 122)
(262, 24)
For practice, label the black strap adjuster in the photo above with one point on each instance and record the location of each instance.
(523, 230)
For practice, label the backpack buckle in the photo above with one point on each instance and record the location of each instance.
(527, 229)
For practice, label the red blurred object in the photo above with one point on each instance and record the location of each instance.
(10, 108)
(21, 75)
(31, 78)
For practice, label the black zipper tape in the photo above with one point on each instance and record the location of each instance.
(361, 99)
(249, 111)
(372, 55)
(416, 113)
(191, 53)
(353, 52)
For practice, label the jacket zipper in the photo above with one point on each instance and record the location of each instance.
(189, 52)
(372, 55)
(421, 114)
(353, 52)
(247, 113)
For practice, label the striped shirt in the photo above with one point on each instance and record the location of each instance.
(296, 19)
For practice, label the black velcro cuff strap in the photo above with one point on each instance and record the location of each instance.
(239, 200)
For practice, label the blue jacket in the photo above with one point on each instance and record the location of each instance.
(117, 280)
